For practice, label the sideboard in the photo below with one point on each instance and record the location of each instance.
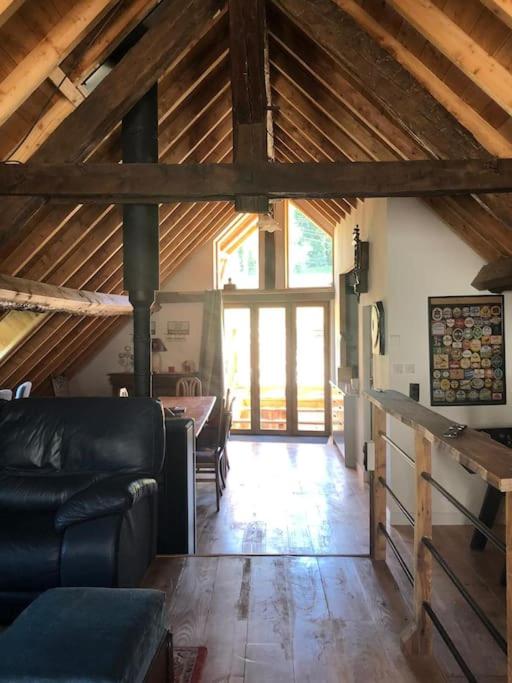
(164, 383)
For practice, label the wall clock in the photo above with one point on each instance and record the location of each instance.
(378, 328)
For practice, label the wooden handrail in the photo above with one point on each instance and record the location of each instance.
(475, 450)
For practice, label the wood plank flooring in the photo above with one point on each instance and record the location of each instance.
(289, 619)
(293, 616)
(480, 572)
(285, 498)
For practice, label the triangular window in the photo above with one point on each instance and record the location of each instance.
(310, 251)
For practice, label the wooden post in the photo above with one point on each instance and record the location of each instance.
(419, 640)
(378, 512)
(508, 505)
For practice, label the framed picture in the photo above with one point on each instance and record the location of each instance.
(178, 329)
(467, 350)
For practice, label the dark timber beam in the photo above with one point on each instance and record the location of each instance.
(165, 183)
(495, 276)
(20, 294)
(390, 86)
(181, 25)
(247, 45)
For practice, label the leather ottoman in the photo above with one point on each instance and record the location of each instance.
(103, 635)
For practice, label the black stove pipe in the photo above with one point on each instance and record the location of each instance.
(141, 267)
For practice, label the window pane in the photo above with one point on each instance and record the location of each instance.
(272, 354)
(240, 263)
(237, 363)
(309, 252)
(310, 368)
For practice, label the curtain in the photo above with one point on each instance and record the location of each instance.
(211, 362)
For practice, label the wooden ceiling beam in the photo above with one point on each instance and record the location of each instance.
(74, 93)
(8, 8)
(51, 235)
(87, 56)
(212, 100)
(27, 295)
(247, 41)
(83, 332)
(382, 79)
(295, 48)
(459, 47)
(42, 340)
(364, 143)
(465, 229)
(311, 140)
(295, 152)
(313, 214)
(283, 155)
(76, 338)
(495, 276)
(391, 87)
(33, 69)
(78, 352)
(154, 54)
(85, 354)
(500, 8)
(488, 136)
(167, 183)
(492, 229)
(310, 150)
(107, 232)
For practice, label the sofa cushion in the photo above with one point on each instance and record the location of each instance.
(29, 551)
(112, 495)
(34, 490)
(82, 434)
(84, 634)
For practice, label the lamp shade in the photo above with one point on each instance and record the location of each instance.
(157, 344)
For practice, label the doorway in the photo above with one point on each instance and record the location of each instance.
(277, 366)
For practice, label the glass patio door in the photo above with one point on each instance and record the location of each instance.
(310, 368)
(276, 365)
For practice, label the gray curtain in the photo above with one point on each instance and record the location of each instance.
(211, 363)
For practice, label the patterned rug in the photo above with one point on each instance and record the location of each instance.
(189, 664)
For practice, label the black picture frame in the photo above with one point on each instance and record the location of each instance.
(482, 379)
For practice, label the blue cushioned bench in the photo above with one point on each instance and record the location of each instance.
(89, 635)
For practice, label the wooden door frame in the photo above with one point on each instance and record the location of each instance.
(290, 308)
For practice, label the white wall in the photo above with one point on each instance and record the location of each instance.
(195, 275)
(414, 255)
(428, 259)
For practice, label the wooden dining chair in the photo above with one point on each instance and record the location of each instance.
(210, 460)
(229, 409)
(189, 386)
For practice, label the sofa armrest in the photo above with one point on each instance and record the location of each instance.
(110, 496)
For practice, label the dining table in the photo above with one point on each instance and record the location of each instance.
(198, 408)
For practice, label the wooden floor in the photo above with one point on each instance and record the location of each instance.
(285, 498)
(316, 618)
(480, 573)
(289, 619)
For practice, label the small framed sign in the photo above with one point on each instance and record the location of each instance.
(178, 329)
(467, 350)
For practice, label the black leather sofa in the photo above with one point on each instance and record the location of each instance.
(78, 496)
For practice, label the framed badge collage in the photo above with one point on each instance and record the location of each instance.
(467, 350)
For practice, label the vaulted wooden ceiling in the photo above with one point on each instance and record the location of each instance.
(350, 80)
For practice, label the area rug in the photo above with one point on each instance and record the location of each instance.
(189, 664)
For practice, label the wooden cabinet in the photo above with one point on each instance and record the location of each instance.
(164, 384)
